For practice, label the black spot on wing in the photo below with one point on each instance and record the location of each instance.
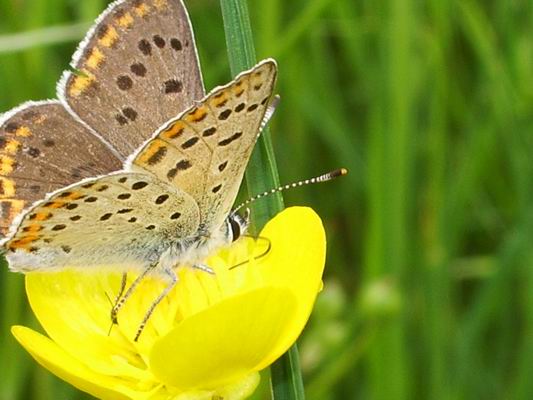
(145, 47)
(161, 199)
(224, 114)
(189, 143)
(124, 82)
(34, 152)
(173, 86)
(159, 41)
(106, 216)
(222, 166)
(209, 132)
(175, 44)
(139, 185)
(138, 69)
(232, 138)
(130, 113)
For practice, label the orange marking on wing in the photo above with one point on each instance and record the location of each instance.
(74, 196)
(80, 83)
(23, 242)
(142, 9)
(41, 118)
(220, 99)
(16, 207)
(6, 165)
(55, 204)
(40, 216)
(12, 146)
(23, 131)
(125, 21)
(160, 3)
(110, 37)
(174, 131)
(196, 115)
(95, 59)
(33, 228)
(11, 207)
(152, 148)
(7, 188)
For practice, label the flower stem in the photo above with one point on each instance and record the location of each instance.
(261, 175)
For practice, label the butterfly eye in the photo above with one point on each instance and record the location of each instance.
(235, 228)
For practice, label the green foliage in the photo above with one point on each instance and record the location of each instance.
(429, 286)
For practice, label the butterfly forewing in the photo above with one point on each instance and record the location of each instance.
(123, 220)
(205, 151)
(43, 148)
(136, 69)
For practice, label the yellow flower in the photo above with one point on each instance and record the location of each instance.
(207, 340)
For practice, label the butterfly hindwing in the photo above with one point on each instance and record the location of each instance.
(122, 220)
(205, 151)
(37, 141)
(136, 69)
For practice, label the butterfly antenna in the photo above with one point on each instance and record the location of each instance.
(317, 179)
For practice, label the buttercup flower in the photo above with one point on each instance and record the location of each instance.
(207, 340)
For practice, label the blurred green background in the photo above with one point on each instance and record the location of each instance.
(429, 284)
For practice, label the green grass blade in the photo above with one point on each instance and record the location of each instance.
(261, 175)
(286, 378)
(42, 37)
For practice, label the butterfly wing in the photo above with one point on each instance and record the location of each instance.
(122, 220)
(205, 151)
(43, 148)
(136, 69)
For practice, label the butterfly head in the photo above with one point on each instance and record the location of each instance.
(237, 224)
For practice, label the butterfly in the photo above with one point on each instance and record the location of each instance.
(134, 167)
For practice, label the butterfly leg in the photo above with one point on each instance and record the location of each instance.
(119, 296)
(204, 268)
(122, 299)
(173, 279)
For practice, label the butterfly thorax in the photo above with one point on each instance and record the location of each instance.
(195, 249)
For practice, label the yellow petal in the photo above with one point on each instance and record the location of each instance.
(73, 309)
(237, 391)
(225, 342)
(55, 359)
(296, 261)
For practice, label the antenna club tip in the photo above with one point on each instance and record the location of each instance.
(339, 172)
